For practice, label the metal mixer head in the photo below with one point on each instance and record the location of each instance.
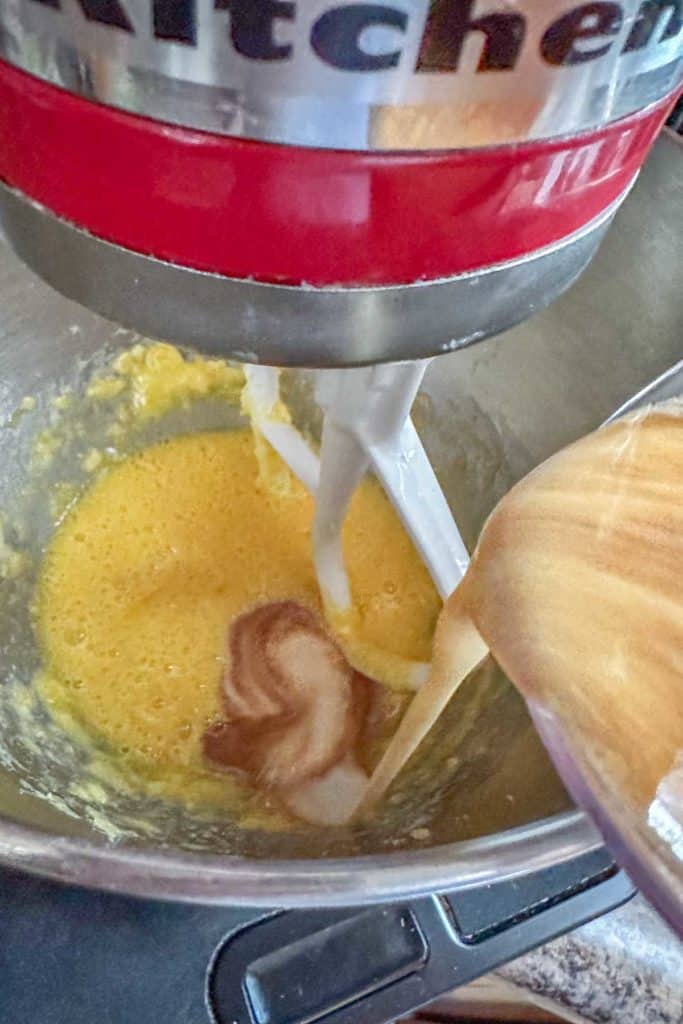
(318, 185)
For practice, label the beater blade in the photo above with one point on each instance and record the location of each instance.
(366, 425)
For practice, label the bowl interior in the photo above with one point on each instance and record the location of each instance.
(482, 770)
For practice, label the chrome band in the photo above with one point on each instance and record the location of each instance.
(397, 74)
(291, 326)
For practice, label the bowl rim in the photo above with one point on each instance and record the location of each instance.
(176, 875)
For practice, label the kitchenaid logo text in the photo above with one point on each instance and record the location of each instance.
(360, 37)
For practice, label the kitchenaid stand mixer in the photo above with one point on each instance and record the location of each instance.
(325, 185)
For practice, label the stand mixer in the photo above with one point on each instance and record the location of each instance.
(310, 184)
(326, 186)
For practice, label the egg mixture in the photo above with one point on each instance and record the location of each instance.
(163, 551)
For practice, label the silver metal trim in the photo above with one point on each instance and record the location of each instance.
(434, 94)
(668, 385)
(285, 325)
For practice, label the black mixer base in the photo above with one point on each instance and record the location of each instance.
(70, 955)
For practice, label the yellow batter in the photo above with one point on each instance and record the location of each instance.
(146, 572)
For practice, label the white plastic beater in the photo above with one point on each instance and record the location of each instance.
(366, 425)
(261, 398)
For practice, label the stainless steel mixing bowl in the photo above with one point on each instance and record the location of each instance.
(487, 415)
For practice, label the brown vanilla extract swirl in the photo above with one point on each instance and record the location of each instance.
(294, 707)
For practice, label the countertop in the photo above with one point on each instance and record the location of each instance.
(623, 968)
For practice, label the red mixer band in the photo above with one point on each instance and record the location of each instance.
(290, 215)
